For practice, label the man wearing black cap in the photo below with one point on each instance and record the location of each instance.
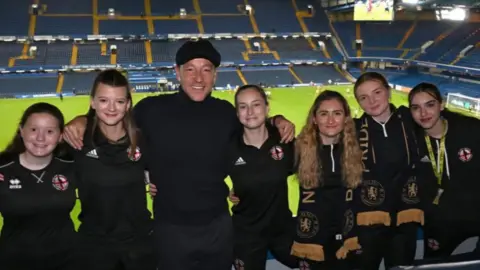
(188, 135)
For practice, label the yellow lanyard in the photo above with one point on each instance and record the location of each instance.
(441, 154)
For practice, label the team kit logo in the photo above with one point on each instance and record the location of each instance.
(410, 191)
(239, 264)
(136, 156)
(303, 265)
(465, 154)
(308, 225)
(277, 152)
(373, 193)
(60, 182)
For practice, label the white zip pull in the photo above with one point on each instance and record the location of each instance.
(331, 155)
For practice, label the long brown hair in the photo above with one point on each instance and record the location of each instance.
(309, 173)
(114, 78)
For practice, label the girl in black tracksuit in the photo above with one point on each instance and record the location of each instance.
(116, 226)
(329, 171)
(389, 211)
(37, 194)
(448, 144)
(259, 165)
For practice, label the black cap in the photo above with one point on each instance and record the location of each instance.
(197, 49)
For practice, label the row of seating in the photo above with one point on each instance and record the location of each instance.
(135, 52)
(16, 84)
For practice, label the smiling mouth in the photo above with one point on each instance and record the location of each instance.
(198, 87)
(423, 120)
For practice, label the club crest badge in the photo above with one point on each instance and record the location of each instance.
(303, 265)
(373, 193)
(277, 152)
(307, 225)
(239, 264)
(60, 182)
(136, 156)
(465, 154)
(410, 192)
(433, 244)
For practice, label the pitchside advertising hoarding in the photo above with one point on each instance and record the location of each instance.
(466, 246)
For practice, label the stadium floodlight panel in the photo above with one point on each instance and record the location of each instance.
(411, 2)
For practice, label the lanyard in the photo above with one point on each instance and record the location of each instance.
(438, 170)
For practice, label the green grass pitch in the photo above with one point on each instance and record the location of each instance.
(293, 103)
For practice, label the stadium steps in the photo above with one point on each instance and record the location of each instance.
(253, 22)
(196, 6)
(24, 56)
(103, 48)
(150, 26)
(345, 74)
(358, 36)
(74, 57)
(456, 60)
(441, 37)
(407, 34)
(242, 78)
(96, 24)
(113, 59)
(300, 15)
(405, 52)
(33, 22)
(248, 47)
(148, 51)
(342, 49)
(60, 81)
(472, 34)
(295, 75)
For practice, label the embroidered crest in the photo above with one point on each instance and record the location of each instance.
(60, 182)
(136, 156)
(465, 154)
(373, 193)
(307, 225)
(277, 152)
(410, 191)
(239, 264)
(303, 265)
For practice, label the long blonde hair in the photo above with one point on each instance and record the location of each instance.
(307, 159)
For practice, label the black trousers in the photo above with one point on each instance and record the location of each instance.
(251, 248)
(184, 247)
(96, 253)
(396, 245)
(442, 238)
(13, 258)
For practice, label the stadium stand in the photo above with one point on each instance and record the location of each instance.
(143, 35)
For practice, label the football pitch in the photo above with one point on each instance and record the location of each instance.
(293, 103)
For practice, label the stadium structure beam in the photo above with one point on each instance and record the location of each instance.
(198, 10)
(148, 13)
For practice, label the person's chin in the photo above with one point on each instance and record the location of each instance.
(111, 122)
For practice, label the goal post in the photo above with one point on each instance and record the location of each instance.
(463, 102)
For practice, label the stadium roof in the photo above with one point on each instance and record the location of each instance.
(437, 3)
